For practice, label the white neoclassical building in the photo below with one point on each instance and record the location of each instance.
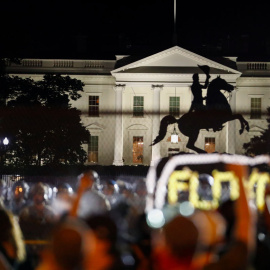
(125, 99)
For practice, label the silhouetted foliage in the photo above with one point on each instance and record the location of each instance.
(259, 145)
(40, 123)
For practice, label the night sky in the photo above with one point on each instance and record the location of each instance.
(104, 28)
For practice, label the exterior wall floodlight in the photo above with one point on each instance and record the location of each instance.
(6, 141)
(174, 136)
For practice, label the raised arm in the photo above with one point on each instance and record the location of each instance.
(243, 238)
(86, 182)
(243, 222)
(206, 81)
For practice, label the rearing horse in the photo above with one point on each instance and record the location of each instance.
(216, 113)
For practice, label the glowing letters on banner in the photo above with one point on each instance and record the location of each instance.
(189, 180)
(174, 185)
(258, 181)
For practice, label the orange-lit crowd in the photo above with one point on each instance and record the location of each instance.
(103, 225)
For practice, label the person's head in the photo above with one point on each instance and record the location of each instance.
(39, 193)
(89, 178)
(68, 243)
(195, 77)
(20, 191)
(181, 237)
(103, 227)
(64, 188)
(110, 187)
(11, 236)
(141, 188)
(105, 250)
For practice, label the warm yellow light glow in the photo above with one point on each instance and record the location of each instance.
(260, 180)
(188, 180)
(174, 185)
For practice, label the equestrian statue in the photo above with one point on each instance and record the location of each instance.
(213, 115)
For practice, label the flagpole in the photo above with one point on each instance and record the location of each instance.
(174, 32)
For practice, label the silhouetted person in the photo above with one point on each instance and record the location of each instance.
(107, 247)
(37, 219)
(66, 246)
(3, 193)
(19, 197)
(12, 247)
(193, 242)
(88, 199)
(196, 89)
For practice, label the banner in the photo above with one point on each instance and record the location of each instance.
(203, 180)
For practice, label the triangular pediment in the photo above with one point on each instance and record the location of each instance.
(254, 128)
(95, 126)
(174, 60)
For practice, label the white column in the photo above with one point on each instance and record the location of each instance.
(156, 122)
(230, 128)
(118, 139)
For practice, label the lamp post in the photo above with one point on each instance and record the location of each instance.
(3, 146)
(174, 136)
(5, 141)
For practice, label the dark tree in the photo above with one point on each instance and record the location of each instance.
(259, 145)
(42, 126)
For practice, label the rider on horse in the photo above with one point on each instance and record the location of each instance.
(197, 103)
(196, 88)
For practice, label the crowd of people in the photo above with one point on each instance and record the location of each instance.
(102, 225)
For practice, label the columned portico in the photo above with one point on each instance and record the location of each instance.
(173, 70)
(118, 140)
(156, 122)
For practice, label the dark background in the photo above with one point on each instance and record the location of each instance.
(102, 28)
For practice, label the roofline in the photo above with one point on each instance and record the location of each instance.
(136, 63)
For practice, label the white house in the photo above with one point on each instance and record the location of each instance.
(125, 99)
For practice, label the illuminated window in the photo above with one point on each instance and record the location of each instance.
(255, 108)
(93, 106)
(93, 149)
(138, 103)
(174, 106)
(137, 150)
(209, 144)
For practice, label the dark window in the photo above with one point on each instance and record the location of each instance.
(174, 107)
(138, 103)
(93, 149)
(255, 108)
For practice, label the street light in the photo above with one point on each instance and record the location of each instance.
(4, 149)
(174, 136)
(6, 141)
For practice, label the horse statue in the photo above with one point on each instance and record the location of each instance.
(216, 113)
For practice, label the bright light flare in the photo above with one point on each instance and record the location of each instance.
(186, 209)
(155, 218)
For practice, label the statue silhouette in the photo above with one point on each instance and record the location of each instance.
(196, 89)
(216, 113)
